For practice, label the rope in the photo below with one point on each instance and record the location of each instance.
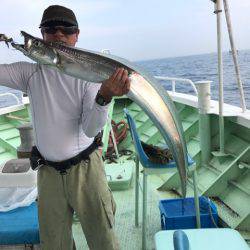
(120, 133)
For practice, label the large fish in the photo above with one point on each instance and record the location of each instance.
(97, 67)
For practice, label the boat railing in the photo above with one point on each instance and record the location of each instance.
(174, 80)
(11, 95)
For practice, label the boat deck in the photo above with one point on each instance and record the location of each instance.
(130, 236)
(224, 179)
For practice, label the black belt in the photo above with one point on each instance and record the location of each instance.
(37, 160)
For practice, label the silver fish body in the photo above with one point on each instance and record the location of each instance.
(97, 67)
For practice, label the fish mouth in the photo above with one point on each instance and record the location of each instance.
(35, 39)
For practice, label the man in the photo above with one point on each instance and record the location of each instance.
(67, 114)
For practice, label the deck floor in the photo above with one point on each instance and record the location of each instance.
(129, 236)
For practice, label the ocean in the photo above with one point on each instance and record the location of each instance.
(204, 67)
(195, 68)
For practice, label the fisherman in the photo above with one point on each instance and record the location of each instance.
(67, 114)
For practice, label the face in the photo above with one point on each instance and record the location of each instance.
(60, 36)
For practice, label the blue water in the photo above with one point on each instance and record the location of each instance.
(195, 68)
(204, 67)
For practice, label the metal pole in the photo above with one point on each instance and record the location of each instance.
(137, 162)
(144, 211)
(196, 201)
(204, 97)
(234, 53)
(218, 12)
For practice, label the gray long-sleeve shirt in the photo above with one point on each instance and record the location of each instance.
(65, 115)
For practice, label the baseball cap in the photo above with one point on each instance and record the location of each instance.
(58, 15)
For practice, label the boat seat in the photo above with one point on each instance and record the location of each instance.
(205, 239)
(19, 226)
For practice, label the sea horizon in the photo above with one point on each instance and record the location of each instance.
(191, 55)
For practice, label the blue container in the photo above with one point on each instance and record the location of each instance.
(180, 213)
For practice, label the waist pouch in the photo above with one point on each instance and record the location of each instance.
(37, 160)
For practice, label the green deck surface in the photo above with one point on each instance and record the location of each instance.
(130, 236)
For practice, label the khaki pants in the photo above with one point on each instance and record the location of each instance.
(82, 189)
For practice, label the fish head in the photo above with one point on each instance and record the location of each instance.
(38, 50)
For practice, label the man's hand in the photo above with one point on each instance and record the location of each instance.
(117, 85)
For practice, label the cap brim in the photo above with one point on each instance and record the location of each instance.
(58, 21)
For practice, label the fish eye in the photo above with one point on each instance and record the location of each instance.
(32, 43)
(36, 43)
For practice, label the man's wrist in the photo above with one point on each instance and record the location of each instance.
(102, 100)
(105, 95)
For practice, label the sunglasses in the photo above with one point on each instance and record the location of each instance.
(65, 30)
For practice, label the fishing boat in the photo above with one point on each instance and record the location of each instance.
(218, 140)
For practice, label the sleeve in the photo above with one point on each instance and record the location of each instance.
(94, 116)
(16, 75)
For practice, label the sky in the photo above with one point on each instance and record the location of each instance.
(133, 29)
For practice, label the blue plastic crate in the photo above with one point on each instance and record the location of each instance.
(180, 213)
